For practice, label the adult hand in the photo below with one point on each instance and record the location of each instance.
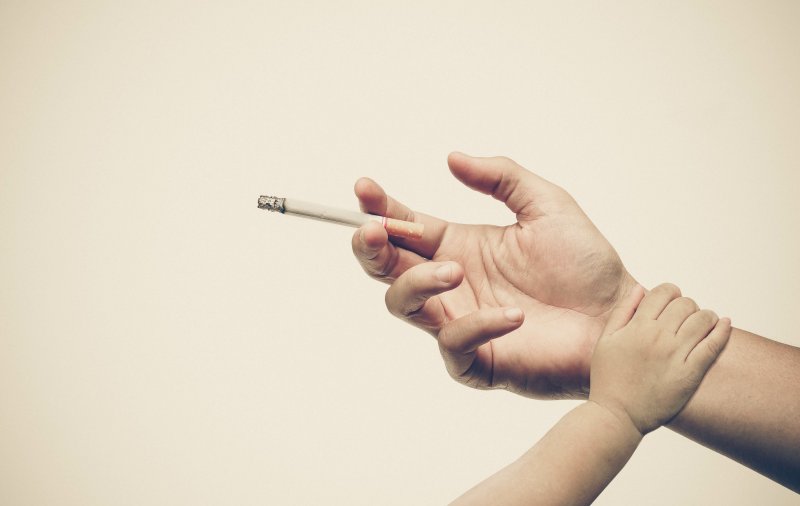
(518, 307)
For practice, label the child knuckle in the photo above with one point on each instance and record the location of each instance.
(668, 289)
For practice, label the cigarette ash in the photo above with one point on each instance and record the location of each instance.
(271, 203)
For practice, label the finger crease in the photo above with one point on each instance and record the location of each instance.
(389, 266)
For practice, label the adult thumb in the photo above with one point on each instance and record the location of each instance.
(500, 177)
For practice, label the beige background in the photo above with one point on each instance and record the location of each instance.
(164, 342)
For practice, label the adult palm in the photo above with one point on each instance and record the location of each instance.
(466, 284)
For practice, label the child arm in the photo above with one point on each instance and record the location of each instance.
(648, 362)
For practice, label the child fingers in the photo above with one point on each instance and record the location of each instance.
(695, 329)
(654, 302)
(676, 313)
(707, 350)
(623, 311)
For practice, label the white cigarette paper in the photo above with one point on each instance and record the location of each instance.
(394, 227)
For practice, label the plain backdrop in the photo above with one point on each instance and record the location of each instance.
(162, 341)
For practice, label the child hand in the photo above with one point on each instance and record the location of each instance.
(647, 365)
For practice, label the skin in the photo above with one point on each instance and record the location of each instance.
(644, 369)
(521, 308)
(553, 264)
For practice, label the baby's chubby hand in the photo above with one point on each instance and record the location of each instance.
(653, 354)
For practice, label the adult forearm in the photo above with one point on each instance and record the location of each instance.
(571, 464)
(748, 407)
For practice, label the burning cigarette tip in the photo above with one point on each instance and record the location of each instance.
(271, 203)
(394, 227)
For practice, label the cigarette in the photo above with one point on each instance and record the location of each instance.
(396, 228)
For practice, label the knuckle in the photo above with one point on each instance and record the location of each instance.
(668, 289)
(708, 316)
(359, 245)
(397, 305)
(408, 308)
(704, 318)
(411, 301)
(388, 299)
(562, 193)
(375, 272)
(687, 304)
(380, 270)
(411, 308)
(409, 293)
(377, 263)
(365, 258)
(451, 339)
(453, 373)
(505, 160)
(446, 342)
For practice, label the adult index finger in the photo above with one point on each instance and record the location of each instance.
(379, 258)
(374, 200)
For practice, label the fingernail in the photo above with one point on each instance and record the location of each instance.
(514, 314)
(444, 273)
